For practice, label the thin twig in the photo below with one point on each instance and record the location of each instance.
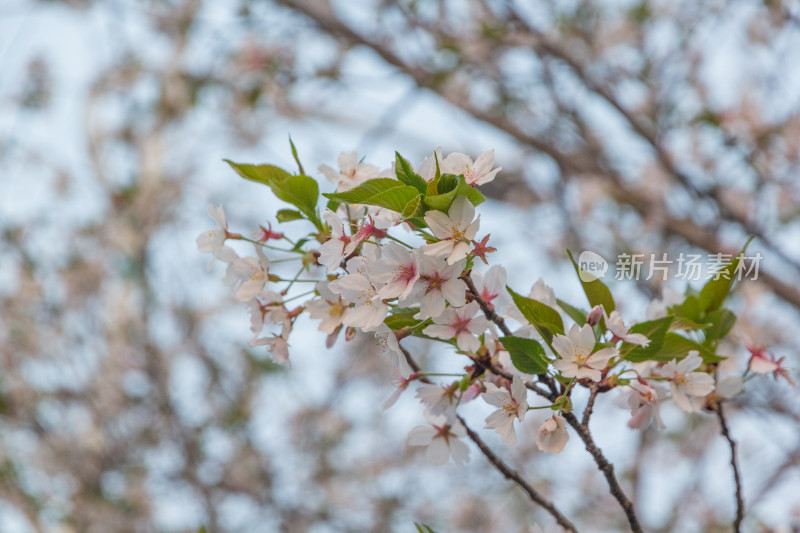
(589, 405)
(508, 472)
(737, 523)
(488, 311)
(514, 476)
(490, 314)
(608, 471)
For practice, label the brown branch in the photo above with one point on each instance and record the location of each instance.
(508, 472)
(488, 311)
(589, 405)
(583, 430)
(608, 471)
(512, 475)
(737, 523)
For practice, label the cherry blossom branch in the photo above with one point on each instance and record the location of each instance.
(589, 405)
(737, 523)
(488, 311)
(512, 475)
(508, 472)
(491, 315)
(607, 469)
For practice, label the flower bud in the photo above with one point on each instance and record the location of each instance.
(594, 316)
(563, 404)
(349, 333)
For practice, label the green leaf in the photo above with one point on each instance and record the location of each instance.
(680, 323)
(714, 292)
(526, 354)
(689, 310)
(452, 186)
(300, 191)
(287, 215)
(402, 317)
(674, 346)
(544, 318)
(405, 173)
(596, 291)
(721, 322)
(395, 199)
(655, 330)
(413, 209)
(422, 528)
(264, 174)
(578, 315)
(365, 191)
(296, 158)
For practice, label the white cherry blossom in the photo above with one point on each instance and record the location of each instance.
(213, 241)
(351, 172)
(388, 342)
(688, 388)
(513, 404)
(397, 270)
(643, 403)
(442, 438)
(577, 360)
(616, 326)
(369, 310)
(455, 230)
(476, 173)
(329, 308)
(438, 283)
(333, 250)
(552, 435)
(248, 275)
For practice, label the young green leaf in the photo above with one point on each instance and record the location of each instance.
(405, 173)
(576, 314)
(674, 346)
(526, 354)
(596, 291)
(714, 292)
(442, 200)
(296, 158)
(287, 215)
(365, 191)
(655, 330)
(544, 318)
(265, 174)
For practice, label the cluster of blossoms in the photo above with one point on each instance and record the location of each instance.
(392, 254)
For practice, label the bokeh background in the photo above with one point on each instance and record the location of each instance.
(130, 400)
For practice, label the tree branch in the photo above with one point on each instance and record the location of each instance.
(589, 405)
(737, 523)
(607, 469)
(508, 472)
